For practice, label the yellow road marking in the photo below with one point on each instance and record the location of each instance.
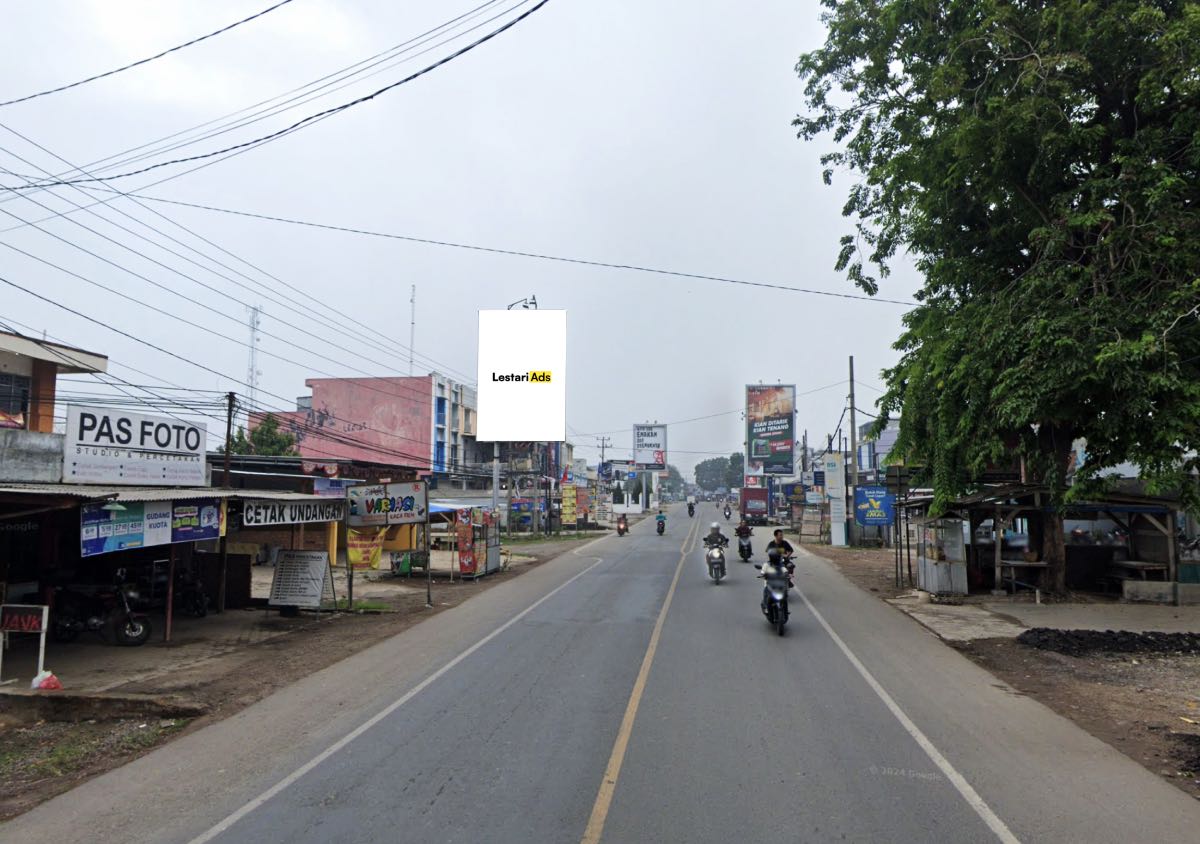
(608, 786)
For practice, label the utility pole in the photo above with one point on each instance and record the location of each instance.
(252, 370)
(804, 453)
(230, 402)
(853, 455)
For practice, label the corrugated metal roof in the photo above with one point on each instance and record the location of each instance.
(88, 492)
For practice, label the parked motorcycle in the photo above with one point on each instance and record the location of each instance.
(714, 556)
(77, 612)
(778, 576)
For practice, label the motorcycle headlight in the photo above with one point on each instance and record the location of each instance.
(132, 594)
(777, 594)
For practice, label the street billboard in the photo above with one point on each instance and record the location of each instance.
(522, 369)
(873, 505)
(650, 446)
(770, 429)
(107, 446)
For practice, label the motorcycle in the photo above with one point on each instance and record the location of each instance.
(191, 597)
(77, 612)
(744, 547)
(714, 556)
(691, 510)
(662, 526)
(728, 513)
(622, 527)
(778, 577)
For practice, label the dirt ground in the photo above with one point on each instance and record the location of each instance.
(1144, 703)
(41, 760)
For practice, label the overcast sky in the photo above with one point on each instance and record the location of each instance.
(649, 133)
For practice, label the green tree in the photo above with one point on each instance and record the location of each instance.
(735, 472)
(265, 440)
(674, 482)
(712, 473)
(1039, 161)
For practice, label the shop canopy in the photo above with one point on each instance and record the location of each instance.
(97, 492)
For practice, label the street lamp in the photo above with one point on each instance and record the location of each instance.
(526, 304)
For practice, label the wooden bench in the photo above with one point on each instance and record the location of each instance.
(1012, 566)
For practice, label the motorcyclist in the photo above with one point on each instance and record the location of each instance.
(780, 544)
(622, 522)
(661, 517)
(715, 537)
(743, 530)
(778, 563)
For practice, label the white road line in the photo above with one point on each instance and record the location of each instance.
(960, 783)
(290, 779)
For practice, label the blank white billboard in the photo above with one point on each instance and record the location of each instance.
(522, 376)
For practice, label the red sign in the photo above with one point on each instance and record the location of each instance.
(22, 618)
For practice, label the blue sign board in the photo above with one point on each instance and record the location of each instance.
(819, 477)
(874, 505)
(632, 476)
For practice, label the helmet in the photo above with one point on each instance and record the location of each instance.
(714, 526)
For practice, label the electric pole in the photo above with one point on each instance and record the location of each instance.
(853, 453)
(230, 403)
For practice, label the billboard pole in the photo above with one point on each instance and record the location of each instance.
(853, 453)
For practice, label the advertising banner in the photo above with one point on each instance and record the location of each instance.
(873, 505)
(386, 504)
(569, 503)
(364, 547)
(106, 446)
(650, 446)
(262, 512)
(522, 369)
(193, 521)
(770, 429)
(835, 475)
(464, 532)
(146, 524)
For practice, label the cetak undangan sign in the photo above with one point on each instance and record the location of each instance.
(262, 512)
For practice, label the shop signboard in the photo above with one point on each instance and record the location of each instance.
(302, 579)
(464, 531)
(264, 512)
(108, 446)
(522, 369)
(808, 478)
(135, 524)
(386, 504)
(650, 446)
(195, 520)
(770, 428)
(364, 547)
(814, 497)
(873, 505)
(333, 487)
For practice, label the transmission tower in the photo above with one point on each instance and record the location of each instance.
(252, 370)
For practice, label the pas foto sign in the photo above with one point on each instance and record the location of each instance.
(106, 446)
(522, 391)
(263, 513)
(650, 446)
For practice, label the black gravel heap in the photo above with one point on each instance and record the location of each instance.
(1083, 642)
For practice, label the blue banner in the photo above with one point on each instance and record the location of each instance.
(874, 505)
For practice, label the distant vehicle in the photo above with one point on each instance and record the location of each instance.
(754, 505)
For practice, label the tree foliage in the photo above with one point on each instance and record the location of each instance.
(266, 439)
(711, 473)
(1040, 162)
(735, 473)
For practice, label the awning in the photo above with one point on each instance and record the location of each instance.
(89, 492)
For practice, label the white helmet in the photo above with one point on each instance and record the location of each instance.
(714, 526)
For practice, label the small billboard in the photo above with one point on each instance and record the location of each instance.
(522, 369)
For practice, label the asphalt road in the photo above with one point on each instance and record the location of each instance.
(567, 706)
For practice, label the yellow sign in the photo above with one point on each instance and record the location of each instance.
(569, 499)
(364, 547)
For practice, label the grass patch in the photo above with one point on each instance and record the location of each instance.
(363, 606)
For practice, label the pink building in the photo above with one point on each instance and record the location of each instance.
(425, 421)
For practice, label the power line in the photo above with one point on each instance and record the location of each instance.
(512, 252)
(265, 288)
(147, 59)
(343, 73)
(312, 118)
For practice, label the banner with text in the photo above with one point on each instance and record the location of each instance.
(264, 513)
(107, 446)
(387, 504)
(770, 429)
(650, 446)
